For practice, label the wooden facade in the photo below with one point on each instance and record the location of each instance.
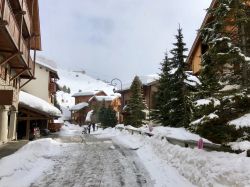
(198, 48)
(19, 40)
(79, 98)
(149, 90)
(83, 97)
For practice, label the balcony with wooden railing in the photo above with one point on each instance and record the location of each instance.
(52, 88)
(14, 31)
(27, 18)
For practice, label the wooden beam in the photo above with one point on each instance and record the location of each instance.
(7, 51)
(9, 58)
(15, 67)
(25, 83)
(32, 118)
(18, 74)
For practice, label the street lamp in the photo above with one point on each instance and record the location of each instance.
(114, 82)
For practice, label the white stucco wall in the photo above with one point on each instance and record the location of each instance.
(40, 86)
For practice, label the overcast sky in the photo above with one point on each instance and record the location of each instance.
(116, 38)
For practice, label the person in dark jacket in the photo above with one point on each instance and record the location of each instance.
(89, 127)
(93, 120)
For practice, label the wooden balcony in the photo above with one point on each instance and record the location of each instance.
(52, 87)
(15, 41)
(27, 18)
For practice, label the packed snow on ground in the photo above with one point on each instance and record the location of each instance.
(69, 129)
(38, 104)
(28, 163)
(243, 121)
(173, 165)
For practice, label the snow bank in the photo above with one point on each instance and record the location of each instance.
(27, 164)
(197, 166)
(244, 145)
(171, 132)
(178, 133)
(36, 103)
(243, 121)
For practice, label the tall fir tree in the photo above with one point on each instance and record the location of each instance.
(101, 113)
(161, 113)
(180, 104)
(135, 105)
(173, 106)
(110, 117)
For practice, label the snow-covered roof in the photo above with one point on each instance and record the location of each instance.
(38, 104)
(101, 98)
(149, 79)
(86, 93)
(79, 106)
(145, 80)
(49, 64)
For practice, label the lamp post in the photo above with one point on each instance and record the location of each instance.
(114, 82)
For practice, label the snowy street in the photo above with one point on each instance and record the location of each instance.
(94, 163)
(111, 157)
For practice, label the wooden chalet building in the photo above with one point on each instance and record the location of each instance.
(113, 101)
(19, 40)
(36, 106)
(149, 88)
(199, 48)
(81, 108)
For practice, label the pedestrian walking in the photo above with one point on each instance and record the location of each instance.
(93, 126)
(89, 127)
(93, 120)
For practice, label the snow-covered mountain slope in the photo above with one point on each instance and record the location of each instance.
(78, 81)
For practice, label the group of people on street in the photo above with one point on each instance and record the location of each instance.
(87, 128)
(92, 123)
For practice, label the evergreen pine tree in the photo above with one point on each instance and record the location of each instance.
(101, 113)
(64, 89)
(179, 96)
(110, 117)
(161, 113)
(135, 105)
